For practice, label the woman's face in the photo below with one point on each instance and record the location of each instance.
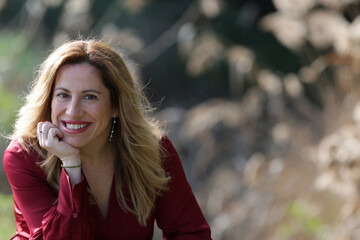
(81, 106)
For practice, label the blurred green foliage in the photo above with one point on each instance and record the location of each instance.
(9, 104)
(17, 64)
(18, 61)
(7, 219)
(300, 221)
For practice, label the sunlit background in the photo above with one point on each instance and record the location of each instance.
(260, 98)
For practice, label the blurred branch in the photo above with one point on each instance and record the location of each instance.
(108, 16)
(30, 16)
(169, 37)
(10, 24)
(36, 10)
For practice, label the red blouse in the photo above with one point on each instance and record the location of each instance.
(39, 216)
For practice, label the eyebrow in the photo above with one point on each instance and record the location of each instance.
(85, 91)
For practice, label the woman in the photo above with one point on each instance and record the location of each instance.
(85, 161)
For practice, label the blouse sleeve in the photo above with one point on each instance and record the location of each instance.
(38, 216)
(178, 213)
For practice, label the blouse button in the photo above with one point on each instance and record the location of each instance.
(75, 215)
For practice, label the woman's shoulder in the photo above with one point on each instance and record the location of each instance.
(166, 146)
(15, 146)
(169, 155)
(15, 151)
(22, 166)
(164, 140)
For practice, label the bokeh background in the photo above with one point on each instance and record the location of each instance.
(260, 98)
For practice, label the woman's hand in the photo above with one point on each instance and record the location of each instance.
(49, 137)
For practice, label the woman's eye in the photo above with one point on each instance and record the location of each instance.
(90, 97)
(63, 95)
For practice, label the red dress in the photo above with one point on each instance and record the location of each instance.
(39, 216)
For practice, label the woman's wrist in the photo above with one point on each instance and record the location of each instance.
(71, 162)
(70, 166)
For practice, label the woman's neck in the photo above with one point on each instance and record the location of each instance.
(98, 154)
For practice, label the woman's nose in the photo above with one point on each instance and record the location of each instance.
(74, 108)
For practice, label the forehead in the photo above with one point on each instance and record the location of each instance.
(79, 76)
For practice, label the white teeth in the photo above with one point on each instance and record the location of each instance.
(75, 126)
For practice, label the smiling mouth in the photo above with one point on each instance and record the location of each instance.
(75, 127)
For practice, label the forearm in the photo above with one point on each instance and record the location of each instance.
(34, 201)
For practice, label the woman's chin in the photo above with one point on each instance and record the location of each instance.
(74, 142)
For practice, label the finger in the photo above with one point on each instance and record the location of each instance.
(43, 131)
(39, 128)
(40, 133)
(58, 133)
(44, 135)
(50, 124)
(45, 128)
(53, 136)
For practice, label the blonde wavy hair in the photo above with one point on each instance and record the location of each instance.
(139, 167)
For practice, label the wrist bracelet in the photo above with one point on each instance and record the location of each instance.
(76, 166)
